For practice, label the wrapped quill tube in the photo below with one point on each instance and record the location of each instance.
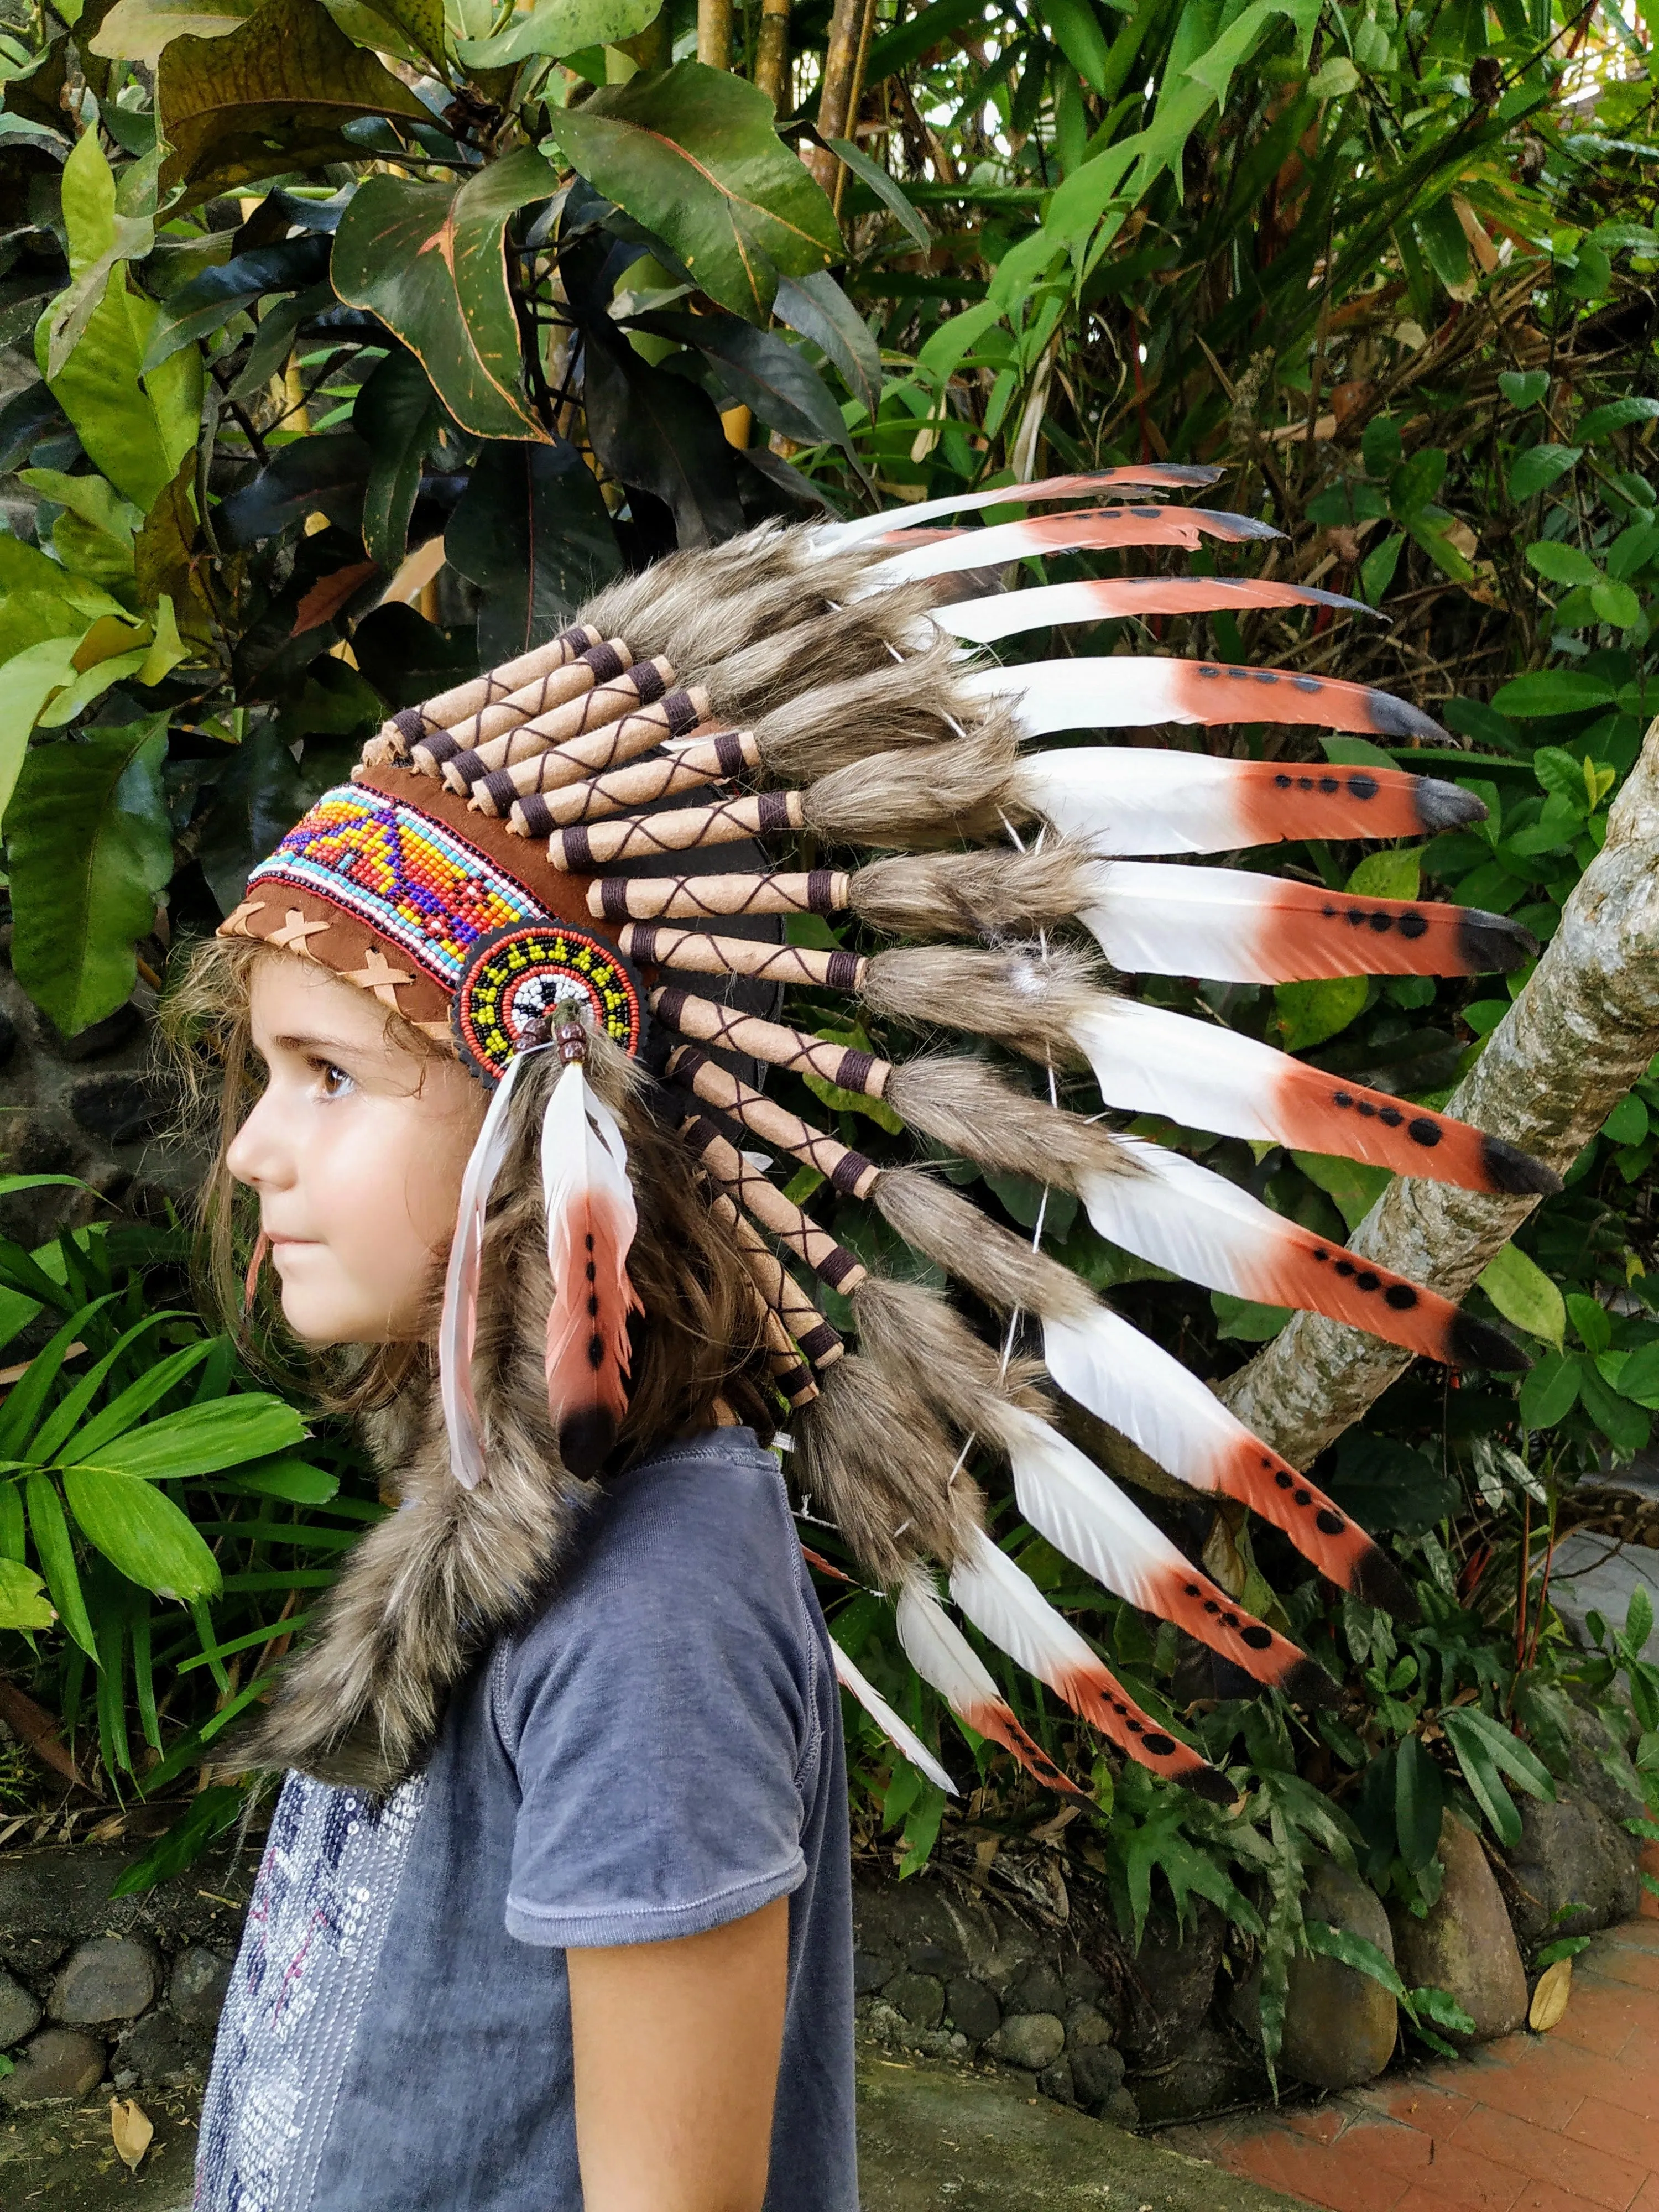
(783, 1295)
(517, 791)
(412, 724)
(694, 950)
(779, 1045)
(620, 898)
(682, 767)
(481, 773)
(731, 822)
(849, 1171)
(759, 1196)
(547, 691)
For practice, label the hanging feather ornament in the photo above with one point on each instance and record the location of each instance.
(457, 1324)
(590, 1220)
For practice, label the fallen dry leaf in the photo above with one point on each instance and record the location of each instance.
(130, 2125)
(1549, 1999)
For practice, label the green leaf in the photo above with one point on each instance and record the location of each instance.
(1538, 467)
(1485, 1785)
(396, 417)
(661, 432)
(1523, 1765)
(1524, 1294)
(1390, 875)
(693, 154)
(1638, 1379)
(1554, 691)
(760, 370)
(1376, 569)
(1419, 1803)
(90, 842)
(1591, 1320)
(199, 1440)
(291, 1479)
(532, 531)
(100, 238)
(128, 1407)
(1562, 564)
(67, 1413)
(1355, 1187)
(557, 28)
(1618, 415)
(23, 1601)
(1523, 387)
(1550, 1391)
(211, 1811)
(272, 97)
(1447, 248)
(139, 1529)
(136, 30)
(419, 25)
(818, 309)
(1616, 603)
(56, 1554)
(137, 433)
(886, 188)
(430, 260)
(1626, 1427)
(1075, 28)
(29, 680)
(1355, 1951)
(1562, 773)
(22, 1406)
(1310, 1012)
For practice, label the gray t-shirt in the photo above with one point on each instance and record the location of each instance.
(658, 1753)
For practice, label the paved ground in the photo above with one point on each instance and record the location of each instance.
(1566, 2122)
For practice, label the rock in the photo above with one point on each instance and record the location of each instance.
(1573, 1870)
(871, 1970)
(1340, 2026)
(1121, 2109)
(1465, 1945)
(60, 2062)
(971, 2007)
(1031, 2039)
(1591, 1745)
(166, 2052)
(930, 1958)
(919, 1998)
(1055, 2081)
(8, 1036)
(111, 1977)
(196, 1989)
(1097, 2072)
(20, 2015)
(1173, 1981)
(1083, 1985)
(96, 1039)
(124, 1109)
(1211, 2071)
(1039, 1989)
(51, 1898)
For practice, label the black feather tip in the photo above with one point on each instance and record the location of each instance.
(1396, 718)
(1491, 944)
(1511, 1169)
(1308, 1684)
(1380, 1583)
(1210, 1783)
(1476, 1344)
(1445, 805)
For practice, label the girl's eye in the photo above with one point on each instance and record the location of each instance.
(335, 1082)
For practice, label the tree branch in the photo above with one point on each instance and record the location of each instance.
(1578, 1036)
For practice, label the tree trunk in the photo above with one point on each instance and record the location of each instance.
(715, 33)
(1581, 1033)
(772, 54)
(840, 68)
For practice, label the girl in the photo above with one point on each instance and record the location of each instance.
(554, 1908)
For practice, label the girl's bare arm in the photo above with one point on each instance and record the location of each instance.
(677, 2052)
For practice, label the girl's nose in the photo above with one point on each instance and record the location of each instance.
(257, 1155)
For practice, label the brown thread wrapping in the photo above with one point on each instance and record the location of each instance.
(410, 727)
(831, 1263)
(619, 898)
(778, 1046)
(602, 701)
(565, 679)
(516, 791)
(683, 767)
(784, 1295)
(694, 950)
(691, 1068)
(731, 822)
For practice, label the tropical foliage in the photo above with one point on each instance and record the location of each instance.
(349, 343)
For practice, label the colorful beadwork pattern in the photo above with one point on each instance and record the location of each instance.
(402, 874)
(516, 976)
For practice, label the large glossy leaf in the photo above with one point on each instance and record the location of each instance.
(818, 309)
(269, 98)
(533, 533)
(28, 680)
(139, 1529)
(223, 1432)
(430, 260)
(91, 848)
(99, 236)
(326, 473)
(555, 27)
(397, 415)
(761, 371)
(136, 433)
(693, 154)
(660, 433)
(203, 305)
(136, 30)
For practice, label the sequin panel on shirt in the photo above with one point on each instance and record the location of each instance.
(319, 1917)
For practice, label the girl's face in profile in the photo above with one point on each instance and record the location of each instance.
(356, 1150)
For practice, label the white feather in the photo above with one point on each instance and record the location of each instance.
(1010, 1611)
(1123, 799)
(1137, 1388)
(583, 1149)
(1107, 691)
(1183, 1217)
(1160, 920)
(899, 1732)
(1148, 1060)
(837, 536)
(457, 1322)
(1082, 1512)
(939, 1650)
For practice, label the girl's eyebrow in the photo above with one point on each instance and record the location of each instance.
(330, 1047)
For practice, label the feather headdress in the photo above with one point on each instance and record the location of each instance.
(579, 842)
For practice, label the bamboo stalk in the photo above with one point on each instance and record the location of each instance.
(714, 34)
(772, 54)
(840, 64)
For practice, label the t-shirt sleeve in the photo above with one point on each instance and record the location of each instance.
(659, 1719)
